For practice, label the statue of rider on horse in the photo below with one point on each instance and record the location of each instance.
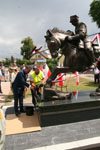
(80, 54)
(81, 39)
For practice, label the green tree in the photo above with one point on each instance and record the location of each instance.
(27, 48)
(12, 59)
(6, 62)
(51, 63)
(24, 61)
(94, 11)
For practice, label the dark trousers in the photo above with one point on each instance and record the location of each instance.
(18, 99)
(96, 78)
(36, 91)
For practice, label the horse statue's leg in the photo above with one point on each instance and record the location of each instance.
(51, 93)
(54, 74)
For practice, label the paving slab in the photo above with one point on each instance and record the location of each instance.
(58, 134)
(5, 89)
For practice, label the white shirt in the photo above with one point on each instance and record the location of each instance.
(96, 71)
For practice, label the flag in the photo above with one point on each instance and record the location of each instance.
(41, 67)
(97, 37)
(61, 83)
(60, 79)
(97, 63)
(75, 94)
(77, 77)
(47, 72)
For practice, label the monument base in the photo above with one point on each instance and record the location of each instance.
(95, 94)
(56, 112)
(54, 94)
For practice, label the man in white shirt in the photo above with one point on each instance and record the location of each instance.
(96, 75)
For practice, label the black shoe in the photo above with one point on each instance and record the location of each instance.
(17, 113)
(22, 111)
(36, 108)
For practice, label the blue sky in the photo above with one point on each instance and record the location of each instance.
(22, 18)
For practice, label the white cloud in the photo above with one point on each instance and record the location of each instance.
(22, 18)
(8, 42)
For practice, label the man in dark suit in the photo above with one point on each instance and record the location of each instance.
(18, 88)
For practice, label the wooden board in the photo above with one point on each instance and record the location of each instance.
(22, 124)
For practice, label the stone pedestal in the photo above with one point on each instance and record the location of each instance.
(56, 112)
(53, 94)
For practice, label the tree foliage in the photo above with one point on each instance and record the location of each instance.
(94, 11)
(51, 63)
(7, 61)
(20, 62)
(27, 48)
(12, 59)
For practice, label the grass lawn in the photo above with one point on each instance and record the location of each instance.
(69, 86)
(84, 85)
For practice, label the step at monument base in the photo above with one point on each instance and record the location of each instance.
(79, 108)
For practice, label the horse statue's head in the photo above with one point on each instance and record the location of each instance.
(54, 39)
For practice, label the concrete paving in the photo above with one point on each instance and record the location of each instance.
(5, 89)
(76, 145)
(61, 137)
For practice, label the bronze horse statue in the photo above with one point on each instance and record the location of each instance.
(75, 59)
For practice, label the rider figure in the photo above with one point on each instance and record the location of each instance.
(80, 37)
